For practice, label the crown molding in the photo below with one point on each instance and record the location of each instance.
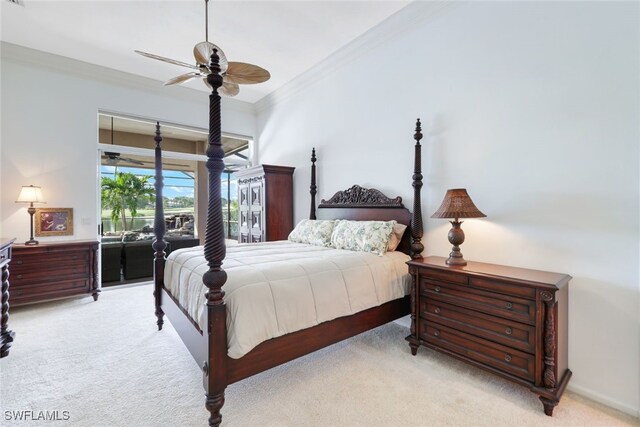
(403, 20)
(45, 60)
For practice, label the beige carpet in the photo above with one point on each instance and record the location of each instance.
(106, 365)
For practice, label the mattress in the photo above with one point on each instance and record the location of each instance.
(276, 288)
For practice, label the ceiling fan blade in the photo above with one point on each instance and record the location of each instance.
(132, 161)
(202, 52)
(182, 79)
(169, 164)
(246, 74)
(163, 59)
(229, 89)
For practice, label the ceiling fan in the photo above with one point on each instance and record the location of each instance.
(233, 73)
(112, 158)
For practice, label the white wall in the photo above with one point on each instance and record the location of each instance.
(534, 108)
(49, 129)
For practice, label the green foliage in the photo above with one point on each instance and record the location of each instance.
(125, 191)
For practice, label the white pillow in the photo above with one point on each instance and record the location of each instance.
(313, 232)
(365, 236)
(395, 237)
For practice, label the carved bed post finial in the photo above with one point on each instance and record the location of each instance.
(416, 220)
(313, 188)
(214, 252)
(159, 245)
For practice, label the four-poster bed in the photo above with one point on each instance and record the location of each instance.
(207, 341)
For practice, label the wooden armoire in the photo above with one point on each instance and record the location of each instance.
(265, 199)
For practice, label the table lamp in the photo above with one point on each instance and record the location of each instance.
(457, 204)
(30, 194)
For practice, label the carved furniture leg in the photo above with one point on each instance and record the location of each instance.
(95, 290)
(413, 339)
(6, 336)
(214, 404)
(549, 405)
(159, 244)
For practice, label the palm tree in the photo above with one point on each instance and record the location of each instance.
(123, 192)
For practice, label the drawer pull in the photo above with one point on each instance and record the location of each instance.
(436, 310)
(19, 261)
(74, 257)
(508, 306)
(437, 289)
(507, 358)
(508, 331)
(436, 333)
(19, 276)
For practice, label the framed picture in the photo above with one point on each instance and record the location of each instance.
(54, 222)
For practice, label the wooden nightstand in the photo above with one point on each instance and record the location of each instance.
(509, 321)
(53, 270)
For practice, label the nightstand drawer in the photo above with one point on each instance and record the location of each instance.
(503, 331)
(503, 287)
(446, 276)
(514, 308)
(488, 353)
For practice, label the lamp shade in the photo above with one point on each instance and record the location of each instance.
(457, 204)
(30, 194)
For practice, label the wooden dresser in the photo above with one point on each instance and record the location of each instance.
(53, 270)
(509, 321)
(6, 335)
(265, 199)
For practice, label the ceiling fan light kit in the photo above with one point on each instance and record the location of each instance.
(233, 73)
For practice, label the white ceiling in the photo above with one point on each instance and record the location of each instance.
(285, 37)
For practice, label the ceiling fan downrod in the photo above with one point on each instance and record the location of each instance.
(206, 21)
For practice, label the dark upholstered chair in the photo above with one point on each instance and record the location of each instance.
(179, 243)
(138, 259)
(111, 262)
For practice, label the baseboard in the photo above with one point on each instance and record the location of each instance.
(604, 400)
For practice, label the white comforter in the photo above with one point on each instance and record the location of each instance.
(280, 287)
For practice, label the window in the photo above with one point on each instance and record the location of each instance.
(230, 205)
(178, 199)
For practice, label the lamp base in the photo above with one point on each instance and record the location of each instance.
(456, 238)
(31, 242)
(455, 258)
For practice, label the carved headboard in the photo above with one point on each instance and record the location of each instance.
(367, 204)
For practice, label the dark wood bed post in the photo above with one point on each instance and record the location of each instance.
(214, 370)
(416, 220)
(313, 189)
(159, 245)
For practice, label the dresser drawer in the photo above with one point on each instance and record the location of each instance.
(31, 277)
(503, 331)
(503, 287)
(5, 254)
(488, 353)
(46, 291)
(509, 307)
(42, 260)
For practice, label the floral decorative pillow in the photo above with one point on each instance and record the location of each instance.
(313, 232)
(365, 236)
